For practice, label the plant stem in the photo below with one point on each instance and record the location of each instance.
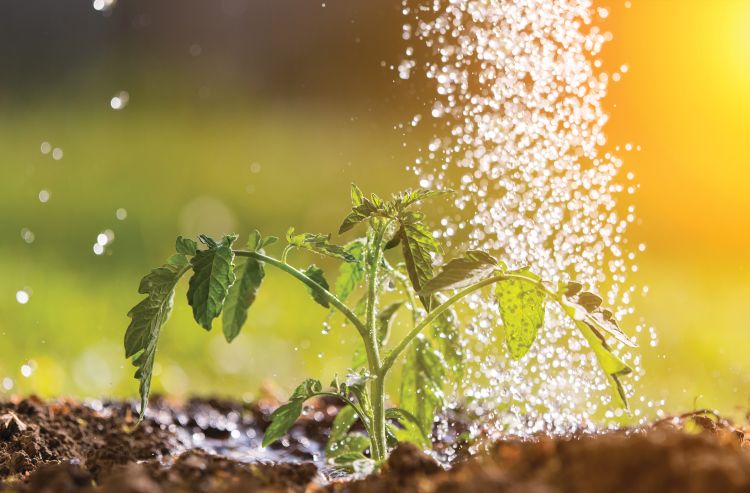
(378, 438)
(332, 299)
(372, 346)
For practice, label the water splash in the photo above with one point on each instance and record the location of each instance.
(103, 239)
(519, 135)
(119, 100)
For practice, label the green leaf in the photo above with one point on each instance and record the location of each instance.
(267, 241)
(340, 441)
(448, 341)
(417, 244)
(353, 444)
(383, 321)
(521, 306)
(316, 274)
(462, 272)
(318, 243)
(307, 389)
(213, 275)
(282, 420)
(249, 275)
(148, 317)
(591, 311)
(351, 274)
(186, 246)
(411, 430)
(362, 209)
(348, 459)
(284, 417)
(406, 199)
(357, 196)
(343, 421)
(422, 383)
(612, 366)
(254, 240)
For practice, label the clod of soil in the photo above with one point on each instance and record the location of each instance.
(214, 446)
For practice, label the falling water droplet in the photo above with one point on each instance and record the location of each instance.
(521, 142)
(28, 235)
(22, 296)
(119, 100)
(103, 5)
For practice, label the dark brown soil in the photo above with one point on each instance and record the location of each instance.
(214, 446)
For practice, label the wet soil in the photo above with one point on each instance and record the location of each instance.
(214, 446)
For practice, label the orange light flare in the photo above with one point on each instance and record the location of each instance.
(686, 100)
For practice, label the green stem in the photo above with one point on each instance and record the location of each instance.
(378, 437)
(372, 346)
(375, 253)
(332, 299)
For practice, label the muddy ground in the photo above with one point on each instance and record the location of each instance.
(214, 446)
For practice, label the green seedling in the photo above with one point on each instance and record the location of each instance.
(224, 282)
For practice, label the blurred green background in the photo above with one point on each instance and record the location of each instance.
(248, 114)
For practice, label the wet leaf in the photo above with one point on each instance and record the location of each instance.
(404, 200)
(589, 310)
(316, 274)
(589, 301)
(307, 389)
(351, 274)
(343, 421)
(318, 243)
(461, 272)
(422, 380)
(612, 366)
(341, 443)
(285, 416)
(411, 430)
(521, 306)
(282, 419)
(417, 244)
(213, 274)
(448, 341)
(249, 275)
(148, 317)
(572, 288)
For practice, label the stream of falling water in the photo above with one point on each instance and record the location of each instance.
(518, 119)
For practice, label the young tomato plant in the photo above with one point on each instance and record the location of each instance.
(225, 281)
